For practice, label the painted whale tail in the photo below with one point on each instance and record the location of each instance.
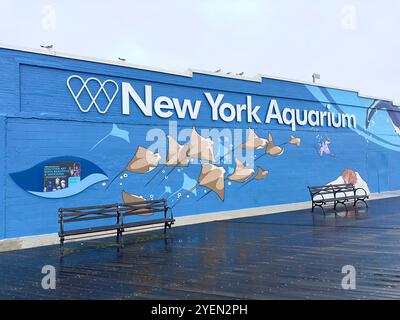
(392, 110)
(370, 113)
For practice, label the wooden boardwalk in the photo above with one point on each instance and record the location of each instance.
(295, 255)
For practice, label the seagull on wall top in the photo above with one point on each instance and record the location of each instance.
(48, 47)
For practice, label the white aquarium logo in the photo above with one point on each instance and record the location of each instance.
(108, 87)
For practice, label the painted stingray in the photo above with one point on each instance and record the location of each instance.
(200, 148)
(254, 142)
(211, 177)
(144, 161)
(133, 198)
(272, 149)
(241, 173)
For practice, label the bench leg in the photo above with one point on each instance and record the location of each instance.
(121, 237)
(322, 208)
(336, 203)
(362, 200)
(319, 206)
(314, 205)
(62, 246)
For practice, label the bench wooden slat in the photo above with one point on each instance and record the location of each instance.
(87, 218)
(110, 205)
(80, 212)
(142, 208)
(141, 203)
(140, 212)
(146, 223)
(90, 230)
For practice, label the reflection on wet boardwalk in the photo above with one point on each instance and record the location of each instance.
(294, 255)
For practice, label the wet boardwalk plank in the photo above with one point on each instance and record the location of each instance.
(296, 255)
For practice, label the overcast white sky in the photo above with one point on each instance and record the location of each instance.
(353, 44)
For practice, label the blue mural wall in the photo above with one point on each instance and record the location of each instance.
(48, 117)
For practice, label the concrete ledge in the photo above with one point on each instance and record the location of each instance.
(52, 239)
(28, 242)
(384, 195)
(243, 213)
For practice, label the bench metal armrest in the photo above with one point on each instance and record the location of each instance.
(365, 192)
(318, 200)
(170, 211)
(313, 194)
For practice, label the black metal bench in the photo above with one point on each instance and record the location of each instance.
(336, 194)
(115, 214)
